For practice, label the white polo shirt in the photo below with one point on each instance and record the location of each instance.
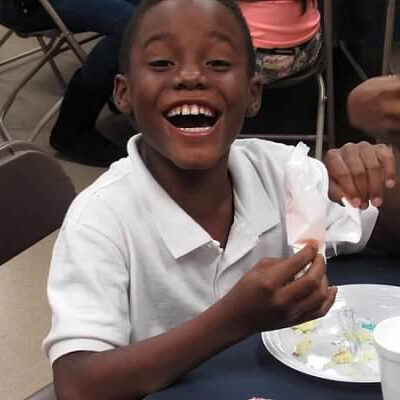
(129, 263)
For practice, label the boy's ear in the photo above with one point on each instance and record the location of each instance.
(122, 94)
(255, 95)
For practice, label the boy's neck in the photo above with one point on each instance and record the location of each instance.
(205, 195)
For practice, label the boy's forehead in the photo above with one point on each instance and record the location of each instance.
(175, 15)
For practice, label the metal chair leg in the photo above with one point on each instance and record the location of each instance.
(45, 119)
(5, 37)
(11, 97)
(46, 47)
(76, 48)
(319, 139)
(9, 60)
(328, 43)
(389, 33)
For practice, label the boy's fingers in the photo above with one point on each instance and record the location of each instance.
(314, 299)
(388, 161)
(324, 307)
(308, 283)
(285, 271)
(269, 262)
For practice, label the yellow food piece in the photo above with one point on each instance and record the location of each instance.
(305, 327)
(364, 336)
(343, 356)
(302, 347)
(368, 355)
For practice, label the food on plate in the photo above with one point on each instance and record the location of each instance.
(305, 328)
(343, 356)
(368, 355)
(302, 347)
(364, 336)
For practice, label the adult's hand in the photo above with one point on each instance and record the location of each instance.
(360, 172)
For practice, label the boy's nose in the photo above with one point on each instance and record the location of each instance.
(190, 79)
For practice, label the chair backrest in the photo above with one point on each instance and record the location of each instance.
(35, 194)
(301, 76)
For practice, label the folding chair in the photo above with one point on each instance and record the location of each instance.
(389, 37)
(35, 194)
(387, 46)
(59, 39)
(325, 93)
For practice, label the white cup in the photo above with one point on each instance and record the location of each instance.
(387, 344)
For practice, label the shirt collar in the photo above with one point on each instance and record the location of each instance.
(180, 232)
(252, 201)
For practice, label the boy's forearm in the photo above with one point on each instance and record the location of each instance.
(144, 367)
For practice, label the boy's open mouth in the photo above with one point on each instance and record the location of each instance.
(192, 117)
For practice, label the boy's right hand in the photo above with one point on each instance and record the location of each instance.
(268, 297)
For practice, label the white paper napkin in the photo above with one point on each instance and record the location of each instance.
(306, 200)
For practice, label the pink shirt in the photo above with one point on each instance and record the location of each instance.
(280, 23)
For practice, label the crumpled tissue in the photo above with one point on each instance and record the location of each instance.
(306, 200)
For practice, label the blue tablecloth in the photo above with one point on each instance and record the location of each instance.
(247, 369)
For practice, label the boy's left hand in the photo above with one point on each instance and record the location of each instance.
(360, 172)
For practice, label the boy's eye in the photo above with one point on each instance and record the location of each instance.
(218, 64)
(160, 65)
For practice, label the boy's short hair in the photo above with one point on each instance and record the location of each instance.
(145, 5)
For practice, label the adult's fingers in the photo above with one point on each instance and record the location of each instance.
(375, 175)
(335, 192)
(388, 161)
(340, 174)
(351, 155)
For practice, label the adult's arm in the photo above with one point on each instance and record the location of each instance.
(374, 108)
(386, 235)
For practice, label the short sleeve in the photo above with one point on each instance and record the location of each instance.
(88, 291)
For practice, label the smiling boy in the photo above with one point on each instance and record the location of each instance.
(180, 249)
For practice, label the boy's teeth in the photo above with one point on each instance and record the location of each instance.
(185, 110)
(202, 129)
(192, 109)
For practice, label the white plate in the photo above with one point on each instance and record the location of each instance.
(371, 304)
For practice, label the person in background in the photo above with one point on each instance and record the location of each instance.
(286, 35)
(74, 133)
(180, 250)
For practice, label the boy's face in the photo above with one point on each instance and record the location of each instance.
(188, 86)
